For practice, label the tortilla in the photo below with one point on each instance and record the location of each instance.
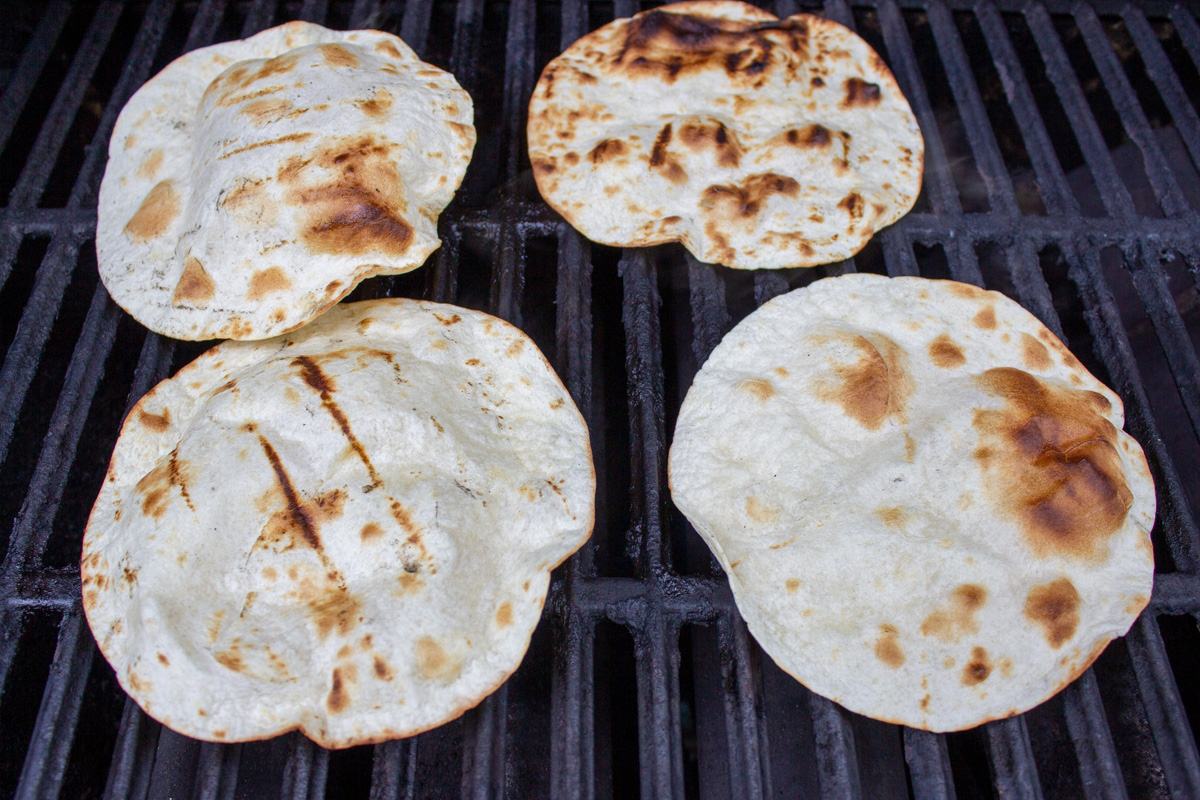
(758, 143)
(252, 184)
(348, 530)
(926, 505)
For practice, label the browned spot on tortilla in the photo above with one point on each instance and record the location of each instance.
(337, 55)
(712, 135)
(945, 353)
(334, 610)
(230, 659)
(925, 703)
(664, 45)
(382, 670)
(1136, 604)
(291, 137)
(956, 619)
(504, 615)
(873, 388)
(759, 512)
(1051, 462)
(387, 48)
(759, 388)
(370, 531)
(338, 697)
(816, 136)
(359, 209)
(1054, 607)
(1034, 354)
(967, 290)
(195, 287)
(321, 383)
(745, 201)
(158, 210)
(379, 104)
(862, 94)
(608, 149)
(887, 646)
(266, 109)
(155, 422)
(978, 668)
(434, 662)
(268, 281)
(893, 517)
(454, 319)
(910, 448)
(986, 318)
(149, 167)
(852, 204)
(793, 585)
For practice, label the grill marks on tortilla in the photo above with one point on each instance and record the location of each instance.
(1054, 607)
(271, 280)
(873, 388)
(1051, 462)
(358, 210)
(701, 136)
(666, 45)
(154, 216)
(956, 619)
(155, 488)
(321, 383)
(747, 200)
(662, 162)
(303, 529)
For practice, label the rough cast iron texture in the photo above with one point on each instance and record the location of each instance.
(1063, 143)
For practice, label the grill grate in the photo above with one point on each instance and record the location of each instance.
(1063, 148)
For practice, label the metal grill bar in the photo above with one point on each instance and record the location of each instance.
(1088, 726)
(1170, 197)
(1187, 123)
(943, 195)
(33, 61)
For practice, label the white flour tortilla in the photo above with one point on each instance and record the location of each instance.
(926, 506)
(252, 184)
(348, 530)
(758, 143)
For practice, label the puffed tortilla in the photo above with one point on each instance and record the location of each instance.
(925, 504)
(348, 530)
(252, 184)
(758, 143)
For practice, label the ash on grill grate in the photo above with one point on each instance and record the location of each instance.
(1063, 147)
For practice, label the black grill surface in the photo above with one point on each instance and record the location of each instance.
(1063, 144)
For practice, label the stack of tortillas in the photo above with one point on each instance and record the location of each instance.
(348, 530)
(926, 506)
(252, 184)
(756, 142)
